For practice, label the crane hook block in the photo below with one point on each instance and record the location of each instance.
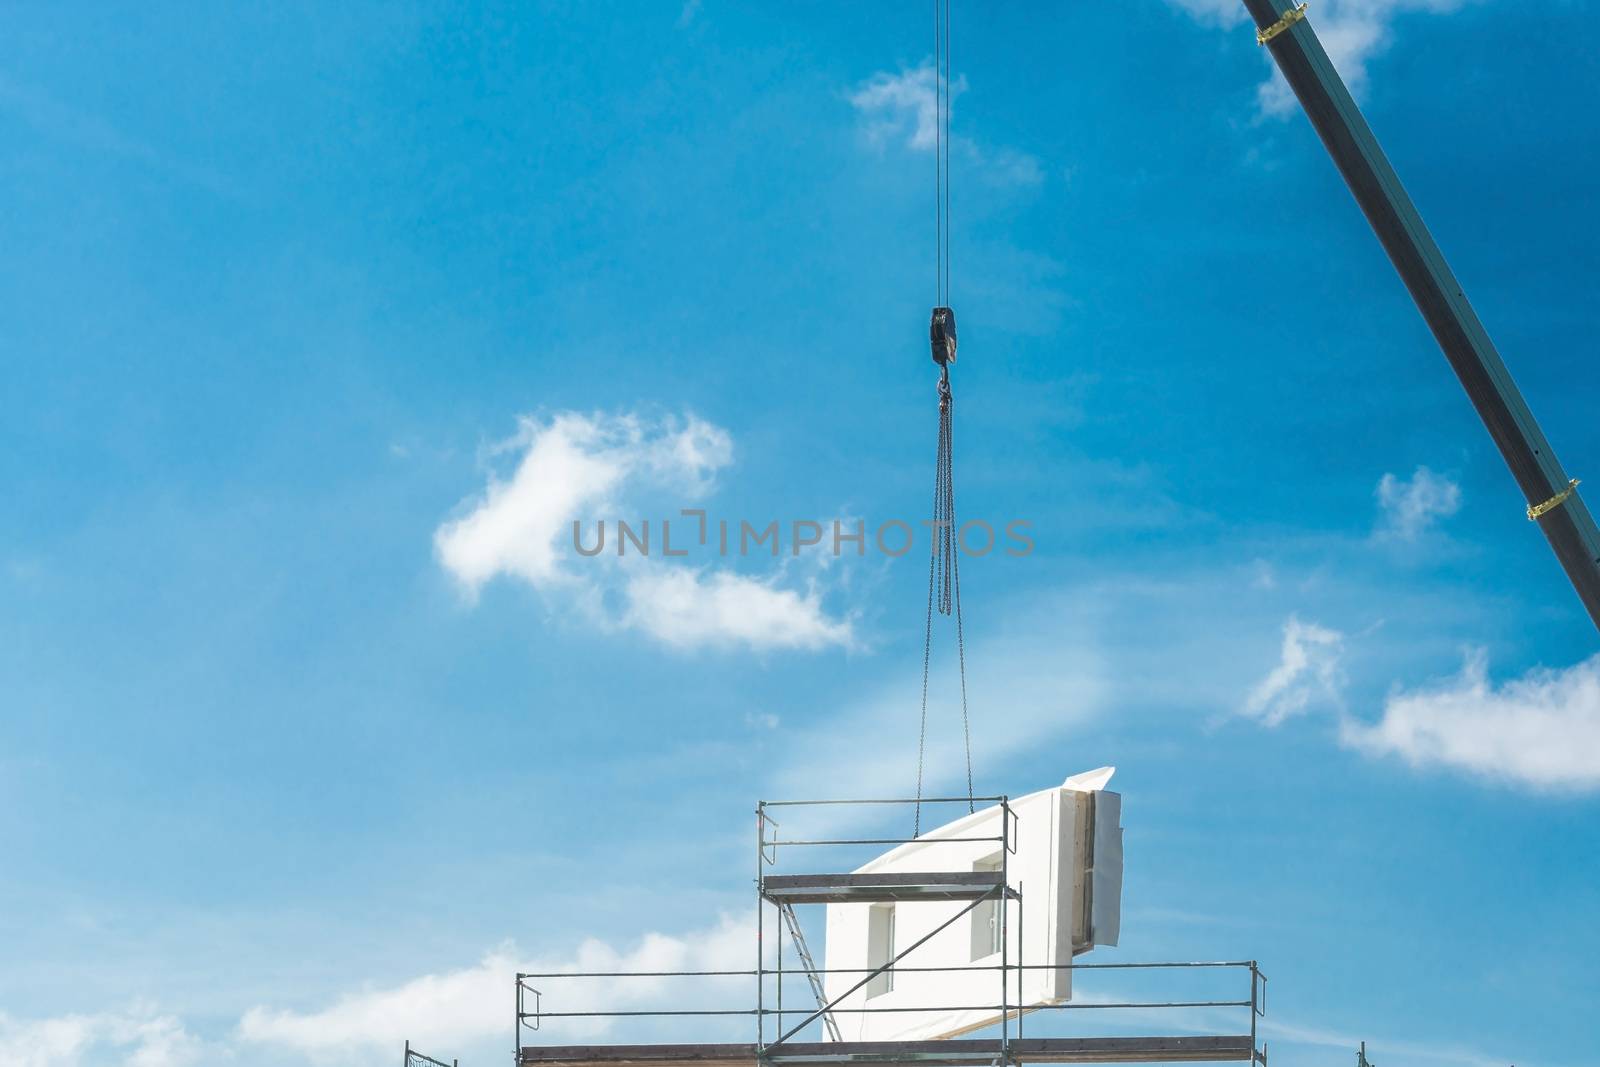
(942, 335)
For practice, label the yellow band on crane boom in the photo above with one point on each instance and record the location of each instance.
(1289, 19)
(1537, 511)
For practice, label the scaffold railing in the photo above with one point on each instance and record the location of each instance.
(1240, 1043)
(417, 1059)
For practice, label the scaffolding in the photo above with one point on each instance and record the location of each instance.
(782, 1042)
(417, 1059)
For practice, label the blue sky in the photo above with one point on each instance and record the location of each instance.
(321, 321)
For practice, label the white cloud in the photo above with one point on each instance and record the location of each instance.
(1408, 508)
(1352, 32)
(903, 107)
(688, 608)
(1540, 731)
(139, 1037)
(568, 464)
(464, 1008)
(1308, 672)
(575, 467)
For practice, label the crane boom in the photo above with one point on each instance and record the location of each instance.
(1349, 140)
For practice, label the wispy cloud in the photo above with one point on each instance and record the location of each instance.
(1308, 673)
(1043, 667)
(1352, 31)
(138, 1037)
(1540, 731)
(902, 109)
(466, 1008)
(574, 467)
(53, 118)
(1408, 508)
(1444, 1054)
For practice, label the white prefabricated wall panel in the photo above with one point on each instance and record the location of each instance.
(1048, 866)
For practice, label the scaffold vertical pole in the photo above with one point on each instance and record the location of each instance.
(1022, 942)
(761, 853)
(1005, 940)
(778, 936)
(1253, 1002)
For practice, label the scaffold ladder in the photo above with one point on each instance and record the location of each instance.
(792, 921)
